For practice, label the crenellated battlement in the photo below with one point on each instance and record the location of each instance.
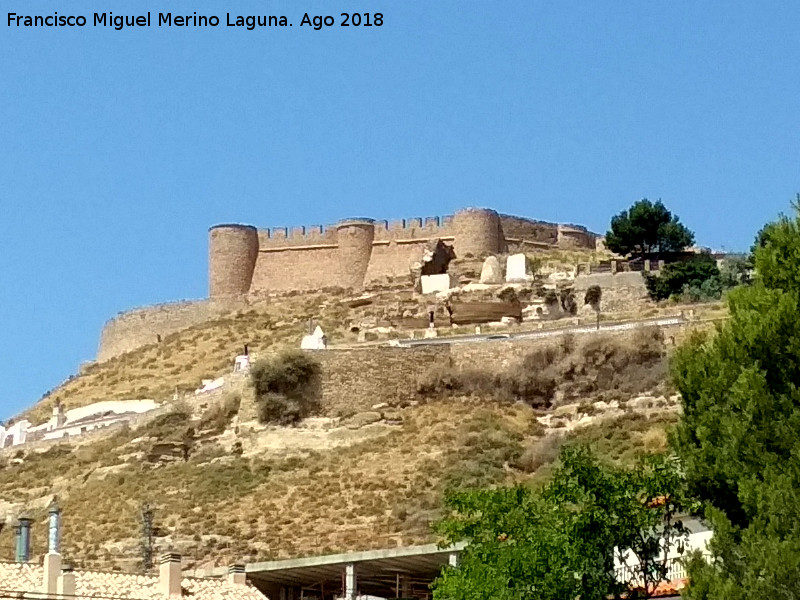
(245, 262)
(270, 238)
(353, 252)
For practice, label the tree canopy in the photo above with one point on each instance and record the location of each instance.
(739, 437)
(647, 227)
(561, 541)
(675, 277)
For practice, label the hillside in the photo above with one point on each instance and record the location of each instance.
(369, 470)
(182, 360)
(370, 480)
(382, 490)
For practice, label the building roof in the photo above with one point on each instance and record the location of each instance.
(28, 578)
(377, 569)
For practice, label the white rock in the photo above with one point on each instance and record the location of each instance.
(516, 267)
(491, 272)
(435, 283)
(315, 341)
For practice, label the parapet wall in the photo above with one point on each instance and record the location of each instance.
(357, 379)
(357, 252)
(139, 327)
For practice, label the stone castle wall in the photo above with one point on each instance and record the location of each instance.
(356, 379)
(245, 262)
(139, 327)
(356, 252)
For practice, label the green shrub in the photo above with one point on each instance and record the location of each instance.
(542, 452)
(287, 387)
(593, 296)
(674, 277)
(219, 415)
(568, 302)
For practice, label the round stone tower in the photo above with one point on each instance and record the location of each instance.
(477, 232)
(354, 237)
(232, 253)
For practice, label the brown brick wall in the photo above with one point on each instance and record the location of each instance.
(296, 270)
(421, 228)
(527, 229)
(574, 237)
(282, 237)
(302, 258)
(478, 233)
(355, 248)
(393, 260)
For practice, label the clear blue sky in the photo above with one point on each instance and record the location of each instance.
(118, 149)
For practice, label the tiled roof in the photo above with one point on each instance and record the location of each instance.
(17, 577)
(669, 588)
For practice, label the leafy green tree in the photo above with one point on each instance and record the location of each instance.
(561, 541)
(739, 437)
(736, 269)
(675, 277)
(592, 297)
(645, 228)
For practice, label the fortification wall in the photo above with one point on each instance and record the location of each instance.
(232, 253)
(393, 259)
(417, 228)
(356, 379)
(499, 355)
(293, 237)
(293, 269)
(572, 236)
(519, 228)
(620, 280)
(622, 292)
(357, 251)
(139, 327)
(244, 261)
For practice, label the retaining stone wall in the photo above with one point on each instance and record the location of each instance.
(134, 329)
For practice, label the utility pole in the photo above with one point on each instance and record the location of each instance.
(147, 537)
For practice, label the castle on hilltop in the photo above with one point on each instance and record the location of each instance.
(355, 252)
(246, 263)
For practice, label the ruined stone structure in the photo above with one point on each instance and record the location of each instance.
(355, 252)
(245, 263)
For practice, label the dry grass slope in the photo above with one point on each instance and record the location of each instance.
(218, 507)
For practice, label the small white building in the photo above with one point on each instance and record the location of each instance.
(316, 341)
(15, 434)
(75, 422)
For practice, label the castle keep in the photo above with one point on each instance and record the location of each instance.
(246, 263)
(356, 252)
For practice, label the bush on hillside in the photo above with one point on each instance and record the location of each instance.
(599, 364)
(287, 387)
(219, 415)
(674, 278)
(169, 426)
(542, 452)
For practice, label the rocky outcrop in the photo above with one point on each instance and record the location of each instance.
(491, 272)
